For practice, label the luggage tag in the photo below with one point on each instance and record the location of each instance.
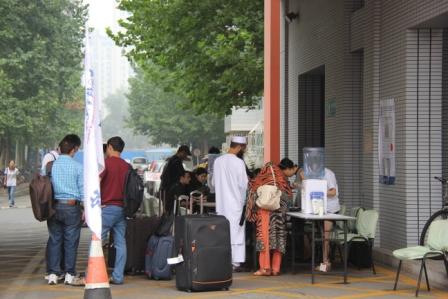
(175, 260)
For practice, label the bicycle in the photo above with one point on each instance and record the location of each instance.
(441, 214)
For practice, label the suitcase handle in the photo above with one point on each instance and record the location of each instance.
(187, 199)
(196, 194)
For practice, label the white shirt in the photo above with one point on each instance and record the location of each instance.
(332, 202)
(230, 181)
(51, 156)
(11, 177)
(211, 161)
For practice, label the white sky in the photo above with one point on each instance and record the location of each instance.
(102, 13)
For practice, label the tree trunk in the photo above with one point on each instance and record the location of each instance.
(4, 148)
(17, 153)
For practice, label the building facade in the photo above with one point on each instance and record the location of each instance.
(249, 123)
(111, 68)
(341, 62)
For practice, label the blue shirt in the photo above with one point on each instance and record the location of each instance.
(67, 178)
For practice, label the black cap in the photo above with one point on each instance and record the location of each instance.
(184, 148)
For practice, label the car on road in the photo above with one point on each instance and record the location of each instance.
(140, 164)
(152, 176)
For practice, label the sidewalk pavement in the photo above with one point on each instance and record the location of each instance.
(22, 198)
(22, 270)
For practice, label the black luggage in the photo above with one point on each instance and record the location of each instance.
(158, 250)
(358, 255)
(160, 246)
(138, 231)
(204, 243)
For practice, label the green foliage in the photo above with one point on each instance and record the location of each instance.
(158, 114)
(40, 69)
(114, 124)
(211, 51)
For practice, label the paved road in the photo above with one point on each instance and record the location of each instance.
(22, 268)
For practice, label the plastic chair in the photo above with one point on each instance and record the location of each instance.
(366, 223)
(351, 224)
(436, 246)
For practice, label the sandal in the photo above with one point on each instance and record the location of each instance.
(275, 273)
(263, 272)
(324, 267)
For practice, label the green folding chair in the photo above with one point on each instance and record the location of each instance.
(436, 246)
(365, 224)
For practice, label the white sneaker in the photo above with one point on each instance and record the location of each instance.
(69, 278)
(60, 277)
(52, 279)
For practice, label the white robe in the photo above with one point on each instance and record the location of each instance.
(230, 181)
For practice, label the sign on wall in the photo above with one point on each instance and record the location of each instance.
(386, 142)
(331, 108)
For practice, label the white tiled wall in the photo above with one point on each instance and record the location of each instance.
(369, 54)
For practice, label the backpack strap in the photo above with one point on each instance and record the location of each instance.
(48, 168)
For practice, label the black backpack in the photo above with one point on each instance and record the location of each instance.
(133, 193)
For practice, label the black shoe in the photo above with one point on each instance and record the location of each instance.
(112, 281)
(239, 269)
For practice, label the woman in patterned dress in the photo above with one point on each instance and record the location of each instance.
(271, 225)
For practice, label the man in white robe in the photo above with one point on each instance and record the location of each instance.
(230, 181)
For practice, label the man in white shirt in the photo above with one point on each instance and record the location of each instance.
(49, 157)
(333, 206)
(332, 192)
(230, 181)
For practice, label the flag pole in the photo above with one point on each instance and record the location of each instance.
(97, 281)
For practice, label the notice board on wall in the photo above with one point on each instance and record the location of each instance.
(386, 142)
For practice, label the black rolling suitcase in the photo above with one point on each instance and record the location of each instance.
(138, 231)
(204, 243)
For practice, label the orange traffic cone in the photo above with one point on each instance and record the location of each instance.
(97, 281)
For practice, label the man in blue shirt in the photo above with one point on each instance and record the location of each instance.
(65, 226)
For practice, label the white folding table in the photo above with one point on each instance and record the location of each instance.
(315, 218)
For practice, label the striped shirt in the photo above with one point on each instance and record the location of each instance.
(67, 178)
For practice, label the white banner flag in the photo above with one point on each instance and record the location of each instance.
(93, 150)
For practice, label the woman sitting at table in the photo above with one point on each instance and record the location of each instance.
(271, 225)
(332, 207)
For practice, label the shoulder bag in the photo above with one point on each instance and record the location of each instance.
(269, 196)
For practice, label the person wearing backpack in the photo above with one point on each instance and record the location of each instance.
(51, 156)
(64, 226)
(113, 180)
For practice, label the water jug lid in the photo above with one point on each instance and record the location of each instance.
(313, 149)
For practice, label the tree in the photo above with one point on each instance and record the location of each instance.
(158, 114)
(210, 51)
(40, 70)
(115, 123)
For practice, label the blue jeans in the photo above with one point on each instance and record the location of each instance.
(11, 191)
(64, 229)
(114, 220)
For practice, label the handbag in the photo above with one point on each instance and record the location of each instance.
(269, 196)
